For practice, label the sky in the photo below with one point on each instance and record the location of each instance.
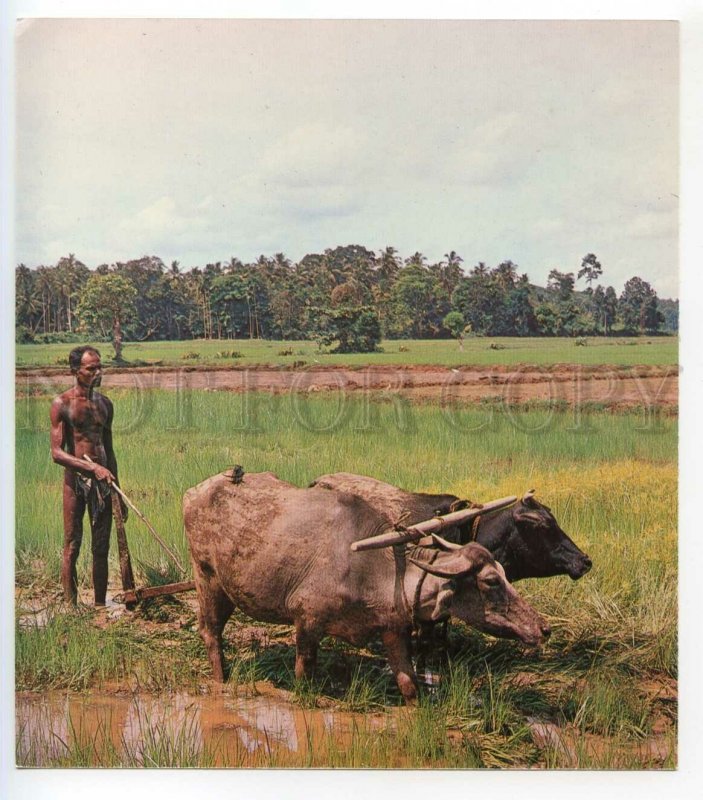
(202, 140)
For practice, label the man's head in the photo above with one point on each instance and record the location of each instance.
(85, 365)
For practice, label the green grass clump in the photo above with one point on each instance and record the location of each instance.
(69, 651)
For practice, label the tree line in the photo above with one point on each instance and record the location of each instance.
(347, 297)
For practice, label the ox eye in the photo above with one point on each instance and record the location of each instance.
(492, 581)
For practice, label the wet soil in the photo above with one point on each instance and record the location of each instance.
(236, 730)
(259, 724)
(606, 386)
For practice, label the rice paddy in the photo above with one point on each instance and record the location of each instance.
(600, 694)
(624, 351)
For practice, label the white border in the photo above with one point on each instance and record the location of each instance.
(58, 784)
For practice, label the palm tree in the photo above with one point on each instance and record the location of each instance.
(71, 275)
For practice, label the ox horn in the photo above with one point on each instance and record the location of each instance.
(444, 544)
(528, 496)
(451, 567)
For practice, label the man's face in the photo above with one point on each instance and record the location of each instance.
(89, 372)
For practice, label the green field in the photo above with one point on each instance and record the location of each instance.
(616, 351)
(612, 484)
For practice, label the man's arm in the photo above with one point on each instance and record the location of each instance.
(110, 453)
(107, 441)
(64, 459)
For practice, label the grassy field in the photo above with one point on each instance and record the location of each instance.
(611, 483)
(479, 351)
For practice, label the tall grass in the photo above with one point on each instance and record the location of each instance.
(69, 652)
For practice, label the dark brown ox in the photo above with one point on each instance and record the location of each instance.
(282, 554)
(526, 538)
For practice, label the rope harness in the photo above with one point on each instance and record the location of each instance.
(399, 555)
(474, 528)
(414, 618)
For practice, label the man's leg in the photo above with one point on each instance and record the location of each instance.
(100, 547)
(73, 508)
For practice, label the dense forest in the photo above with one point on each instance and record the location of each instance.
(347, 298)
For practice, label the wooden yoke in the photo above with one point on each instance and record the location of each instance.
(416, 532)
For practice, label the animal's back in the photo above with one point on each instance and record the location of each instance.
(277, 550)
(400, 505)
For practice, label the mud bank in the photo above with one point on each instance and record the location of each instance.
(606, 386)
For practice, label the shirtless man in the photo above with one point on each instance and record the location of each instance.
(81, 425)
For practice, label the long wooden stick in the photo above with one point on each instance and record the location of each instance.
(146, 522)
(125, 562)
(416, 532)
(136, 595)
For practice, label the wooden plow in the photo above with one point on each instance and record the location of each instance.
(131, 595)
(420, 533)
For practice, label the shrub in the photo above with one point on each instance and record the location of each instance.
(63, 337)
(191, 355)
(23, 335)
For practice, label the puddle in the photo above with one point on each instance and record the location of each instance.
(130, 730)
(33, 612)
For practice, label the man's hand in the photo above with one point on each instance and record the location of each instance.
(102, 473)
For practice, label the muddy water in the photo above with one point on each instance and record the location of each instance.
(130, 729)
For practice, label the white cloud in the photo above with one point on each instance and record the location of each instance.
(314, 154)
(654, 225)
(198, 140)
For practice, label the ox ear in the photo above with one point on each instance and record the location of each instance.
(450, 565)
(443, 603)
(530, 517)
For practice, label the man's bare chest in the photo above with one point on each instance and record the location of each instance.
(87, 417)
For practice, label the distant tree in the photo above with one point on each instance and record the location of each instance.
(230, 305)
(562, 283)
(454, 323)
(496, 302)
(71, 275)
(146, 274)
(591, 269)
(106, 304)
(571, 321)
(48, 290)
(638, 307)
(388, 265)
(27, 304)
(416, 260)
(669, 309)
(348, 322)
(549, 319)
(418, 302)
(449, 271)
(478, 299)
(604, 304)
(518, 308)
(505, 274)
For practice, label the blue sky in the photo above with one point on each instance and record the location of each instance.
(199, 140)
